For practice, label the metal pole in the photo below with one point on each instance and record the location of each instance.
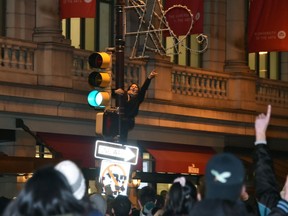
(119, 52)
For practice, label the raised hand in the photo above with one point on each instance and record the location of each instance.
(261, 124)
(152, 74)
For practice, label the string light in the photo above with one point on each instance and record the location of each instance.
(155, 33)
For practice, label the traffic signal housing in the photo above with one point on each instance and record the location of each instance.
(107, 123)
(100, 79)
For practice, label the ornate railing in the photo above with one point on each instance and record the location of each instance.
(16, 54)
(133, 71)
(272, 91)
(199, 83)
(80, 63)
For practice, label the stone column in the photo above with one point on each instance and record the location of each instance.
(242, 86)
(214, 27)
(48, 24)
(20, 19)
(54, 52)
(235, 59)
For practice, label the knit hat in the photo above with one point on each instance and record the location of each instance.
(224, 177)
(74, 176)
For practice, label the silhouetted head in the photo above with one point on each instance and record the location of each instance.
(47, 192)
(181, 197)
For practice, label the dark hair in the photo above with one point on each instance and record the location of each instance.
(47, 192)
(133, 84)
(160, 201)
(180, 198)
(121, 205)
(146, 194)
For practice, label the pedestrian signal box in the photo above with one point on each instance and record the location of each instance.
(107, 123)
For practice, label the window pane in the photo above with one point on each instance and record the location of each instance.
(105, 20)
(274, 65)
(252, 61)
(75, 32)
(263, 65)
(182, 51)
(194, 56)
(169, 46)
(63, 27)
(90, 34)
(2, 17)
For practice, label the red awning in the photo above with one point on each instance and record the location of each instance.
(79, 149)
(181, 158)
(180, 162)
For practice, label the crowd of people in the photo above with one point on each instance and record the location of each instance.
(61, 190)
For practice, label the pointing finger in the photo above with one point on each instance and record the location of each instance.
(268, 111)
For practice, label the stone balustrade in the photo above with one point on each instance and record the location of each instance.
(200, 84)
(272, 91)
(18, 56)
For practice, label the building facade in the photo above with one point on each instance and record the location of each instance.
(205, 108)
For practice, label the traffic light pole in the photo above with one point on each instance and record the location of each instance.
(119, 66)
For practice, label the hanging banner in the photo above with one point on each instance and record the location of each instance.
(268, 25)
(178, 15)
(77, 9)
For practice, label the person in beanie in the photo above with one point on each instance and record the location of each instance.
(224, 183)
(47, 192)
(74, 177)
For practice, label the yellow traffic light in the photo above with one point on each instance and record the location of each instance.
(100, 60)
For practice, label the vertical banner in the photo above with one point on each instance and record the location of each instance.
(77, 9)
(179, 18)
(268, 25)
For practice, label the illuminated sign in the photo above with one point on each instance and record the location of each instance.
(116, 151)
(192, 169)
(115, 177)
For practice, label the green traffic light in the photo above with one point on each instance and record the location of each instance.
(98, 99)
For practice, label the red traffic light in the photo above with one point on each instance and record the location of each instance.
(99, 60)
